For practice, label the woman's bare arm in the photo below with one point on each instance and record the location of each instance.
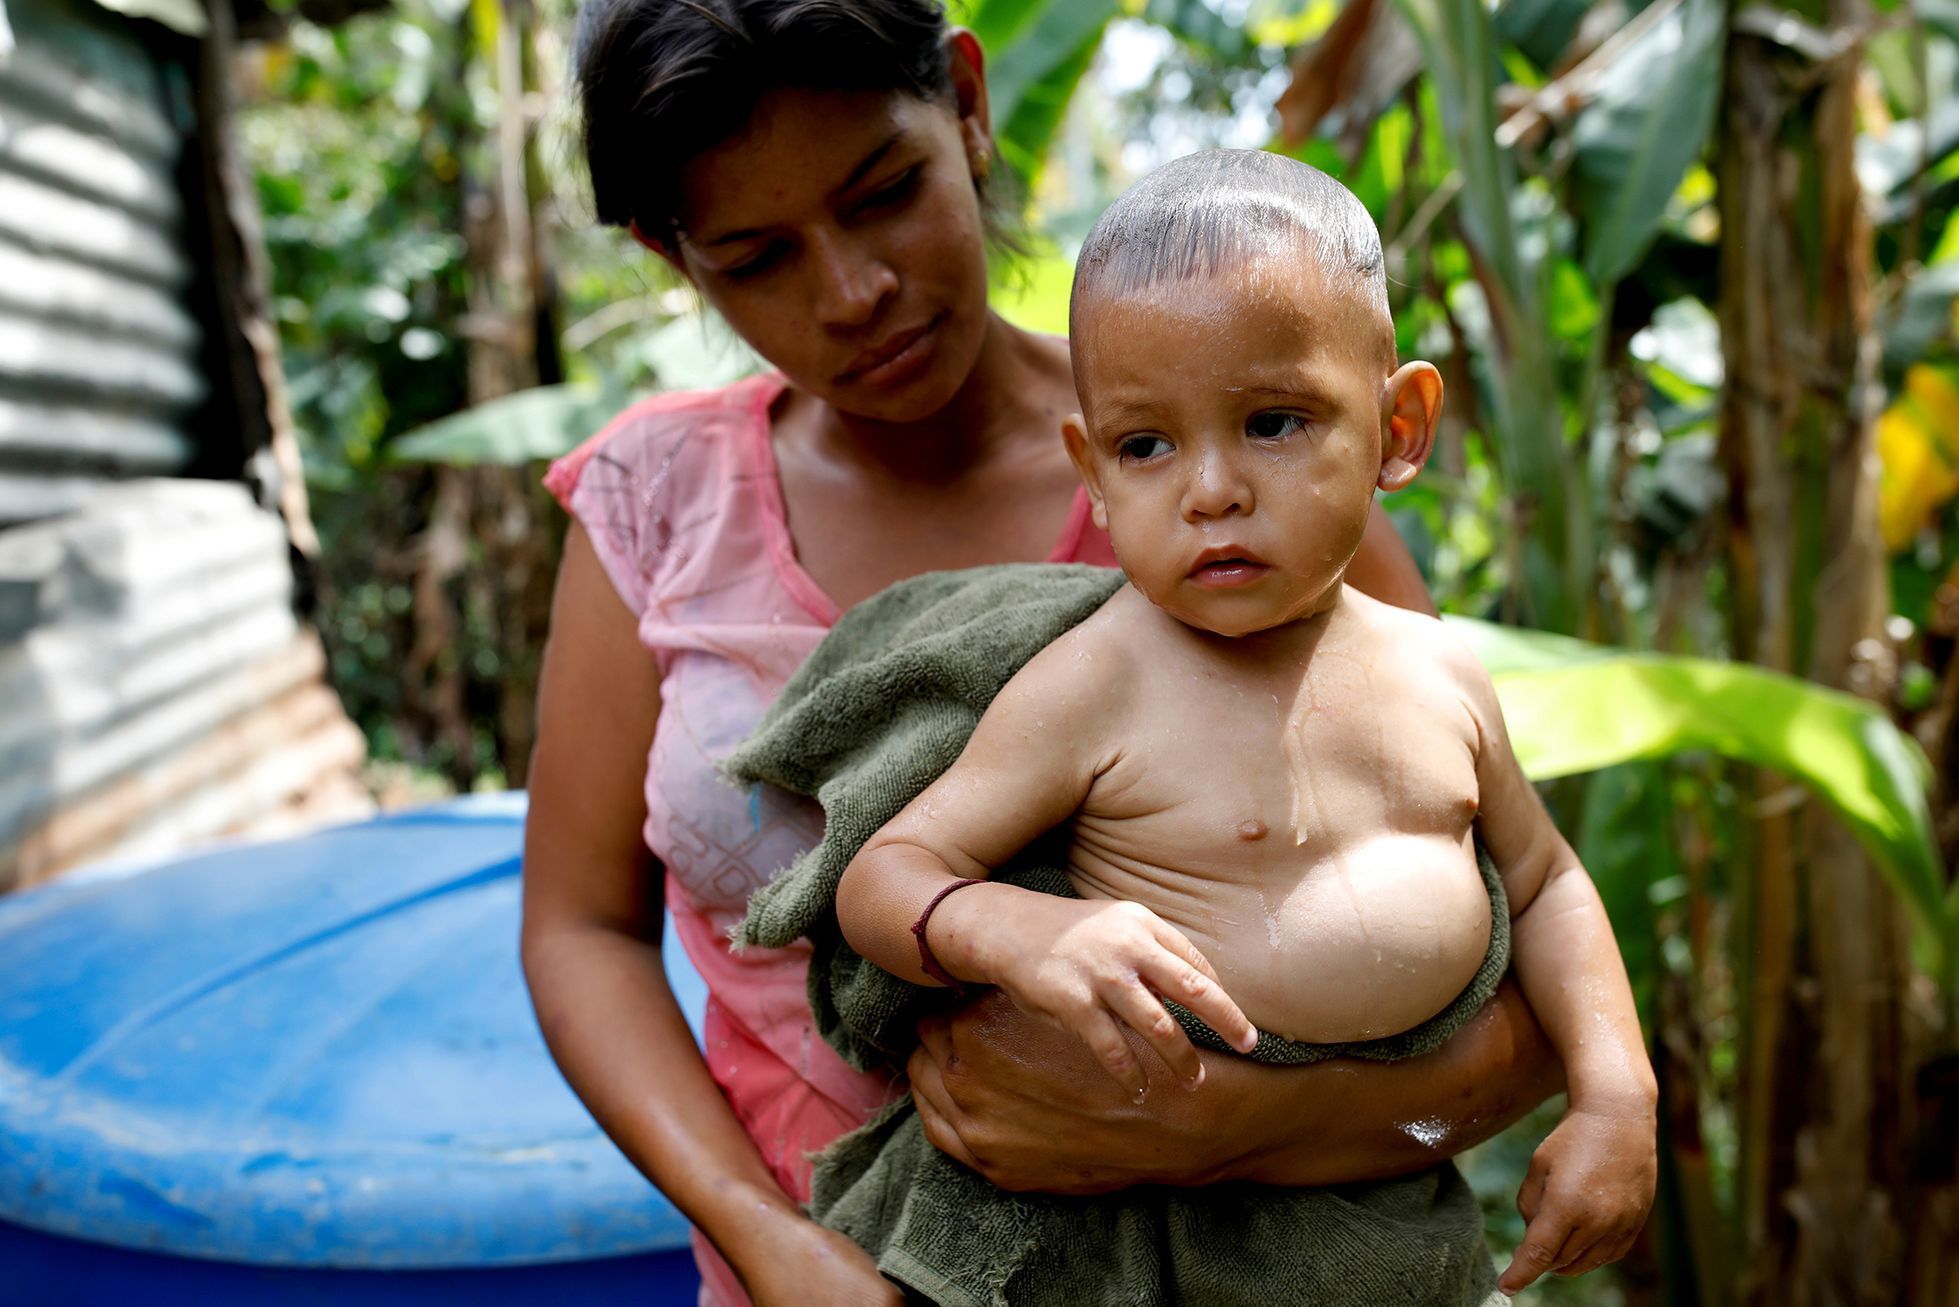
(1029, 1110)
(592, 916)
(1384, 569)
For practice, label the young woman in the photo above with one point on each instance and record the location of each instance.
(817, 170)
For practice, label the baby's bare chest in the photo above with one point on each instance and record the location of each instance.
(1237, 771)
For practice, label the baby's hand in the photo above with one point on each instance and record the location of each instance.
(1586, 1196)
(1093, 967)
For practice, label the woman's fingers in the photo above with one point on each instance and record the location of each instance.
(1104, 1037)
(1183, 973)
(935, 1110)
(1144, 1013)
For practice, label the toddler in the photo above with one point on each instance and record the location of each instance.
(1270, 783)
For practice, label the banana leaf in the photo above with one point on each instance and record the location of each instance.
(1648, 121)
(1576, 707)
(1037, 51)
(525, 427)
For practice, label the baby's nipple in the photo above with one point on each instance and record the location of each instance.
(1250, 830)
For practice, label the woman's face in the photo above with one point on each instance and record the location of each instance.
(840, 234)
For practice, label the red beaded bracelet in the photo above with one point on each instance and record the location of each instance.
(926, 962)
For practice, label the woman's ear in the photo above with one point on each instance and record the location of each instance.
(966, 69)
(1411, 406)
(1074, 434)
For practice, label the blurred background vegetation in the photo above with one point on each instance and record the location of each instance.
(1688, 267)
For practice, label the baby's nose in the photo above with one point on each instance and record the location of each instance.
(1217, 490)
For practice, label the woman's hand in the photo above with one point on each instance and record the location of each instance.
(804, 1265)
(1031, 1110)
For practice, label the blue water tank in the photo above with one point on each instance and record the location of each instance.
(307, 1072)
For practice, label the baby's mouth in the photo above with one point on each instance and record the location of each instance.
(1227, 571)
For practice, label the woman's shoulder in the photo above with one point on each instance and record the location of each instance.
(658, 473)
(675, 434)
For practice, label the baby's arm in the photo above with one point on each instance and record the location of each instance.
(1083, 964)
(1591, 1182)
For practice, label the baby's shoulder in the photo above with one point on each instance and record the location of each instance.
(1417, 644)
(1086, 667)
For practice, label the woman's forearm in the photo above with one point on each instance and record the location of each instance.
(1346, 1121)
(1028, 1108)
(617, 1033)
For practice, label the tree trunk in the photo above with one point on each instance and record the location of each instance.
(1824, 1125)
(502, 585)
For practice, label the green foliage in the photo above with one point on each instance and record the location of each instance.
(1574, 707)
(530, 426)
(360, 140)
(1506, 227)
(1647, 123)
(1037, 54)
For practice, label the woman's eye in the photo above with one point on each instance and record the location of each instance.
(1141, 448)
(1273, 424)
(761, 261)
(895, 193)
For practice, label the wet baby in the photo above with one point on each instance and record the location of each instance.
(1271, 784)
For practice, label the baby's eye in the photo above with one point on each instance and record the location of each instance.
(1273, 424)
(1142, 448)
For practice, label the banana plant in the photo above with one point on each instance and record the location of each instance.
(1573, 707)
(1647, 95)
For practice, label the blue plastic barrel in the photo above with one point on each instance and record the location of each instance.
(307, 1072)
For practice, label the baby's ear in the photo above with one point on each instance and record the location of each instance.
(1074, 434)
(1411, 406)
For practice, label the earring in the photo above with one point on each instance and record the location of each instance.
(982, 164)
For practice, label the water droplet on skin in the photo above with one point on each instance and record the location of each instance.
(1428, 1132)
(1141, 1094)
(1274, 939)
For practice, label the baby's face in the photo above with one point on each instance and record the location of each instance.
(1233, 432)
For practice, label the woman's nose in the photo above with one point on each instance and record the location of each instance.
(852, 283)
(1216, 488)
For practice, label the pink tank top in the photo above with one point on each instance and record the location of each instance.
(682, 501)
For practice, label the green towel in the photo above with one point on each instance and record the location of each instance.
(880, 709)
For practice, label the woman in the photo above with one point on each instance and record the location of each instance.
(816, 170)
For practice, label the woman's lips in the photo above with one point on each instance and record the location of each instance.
(1225, 573)
(894, 361)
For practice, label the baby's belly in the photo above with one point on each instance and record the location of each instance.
(1362, 945)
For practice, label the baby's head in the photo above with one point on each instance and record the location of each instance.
(1240, 396)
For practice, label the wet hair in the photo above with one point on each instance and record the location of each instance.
(1213, 211)
(660, 81)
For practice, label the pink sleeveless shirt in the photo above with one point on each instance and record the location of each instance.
(682, 501)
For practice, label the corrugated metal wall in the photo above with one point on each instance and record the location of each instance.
(99, 362)
(155, 687)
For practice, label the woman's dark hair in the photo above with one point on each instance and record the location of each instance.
(662, 80)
